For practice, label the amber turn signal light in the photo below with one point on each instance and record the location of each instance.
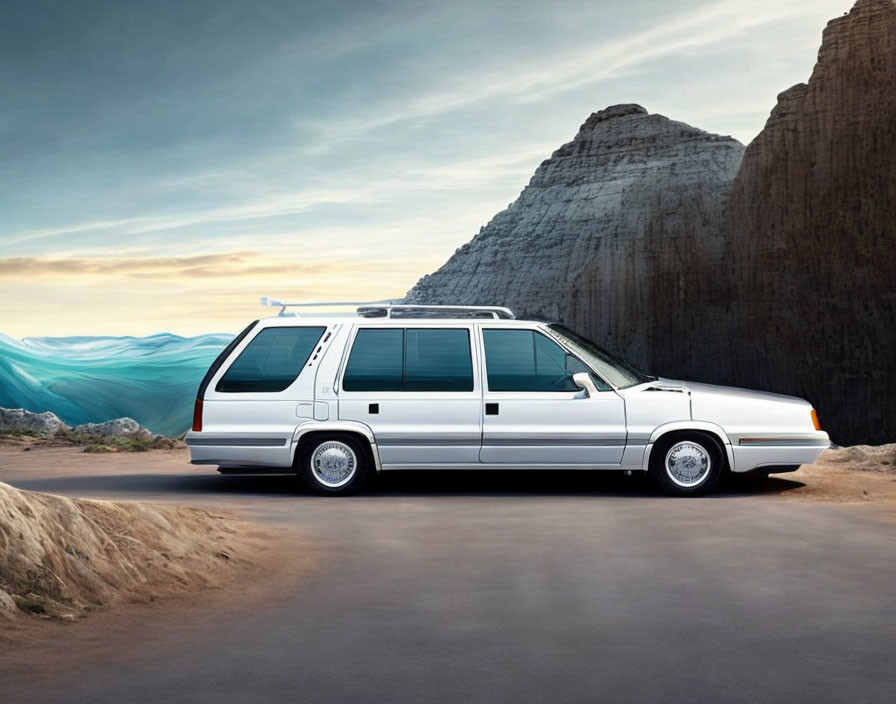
(197, 415)
(815, 420)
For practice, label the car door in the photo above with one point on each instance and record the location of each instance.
(533, 414)
(418, 388)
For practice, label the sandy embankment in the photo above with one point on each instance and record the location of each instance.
(859, 473)
(64, 557)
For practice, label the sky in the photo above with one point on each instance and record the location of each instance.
(163, 165)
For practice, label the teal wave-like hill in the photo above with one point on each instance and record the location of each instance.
(93, 379)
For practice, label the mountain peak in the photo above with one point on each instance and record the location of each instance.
(613, 112)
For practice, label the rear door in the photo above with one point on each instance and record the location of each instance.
(535, 415)
(418, 388)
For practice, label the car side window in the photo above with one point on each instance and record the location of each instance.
(412, 359)
(437, 360)
(271, 361)
(376, 362)
(526, 360)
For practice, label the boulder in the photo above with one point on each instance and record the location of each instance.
(20, 420)
(118, 428)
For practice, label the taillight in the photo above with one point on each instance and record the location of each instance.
(815, 420)
(197, 415)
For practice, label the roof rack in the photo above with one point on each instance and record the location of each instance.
(414, 310)
(388, 309)
(273, 302)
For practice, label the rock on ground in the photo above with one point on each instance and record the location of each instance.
(18, 419)
(47, 424)
(120, 427)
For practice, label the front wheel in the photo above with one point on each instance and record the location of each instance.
(686, 465)
(334, 465)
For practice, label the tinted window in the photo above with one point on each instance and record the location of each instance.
(525, 360)
(272, 360)
(438, 360)
(376, 361)
(424, 359)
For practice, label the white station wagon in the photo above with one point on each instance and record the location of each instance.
(337, 399)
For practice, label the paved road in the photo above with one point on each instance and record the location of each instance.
(526, 588)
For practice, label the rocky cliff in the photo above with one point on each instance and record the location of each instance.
(639, 193)
(784, 278)
(811, 236)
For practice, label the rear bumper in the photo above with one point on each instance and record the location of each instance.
(240, 449)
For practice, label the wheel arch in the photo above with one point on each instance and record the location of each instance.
(307, 432)
(715, 432)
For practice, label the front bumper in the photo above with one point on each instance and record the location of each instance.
(755, 452)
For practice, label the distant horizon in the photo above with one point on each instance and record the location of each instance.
(101, 336)
(166, 165)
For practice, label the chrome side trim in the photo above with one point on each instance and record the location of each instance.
(553, 441)
(499, 466)
(785, 442)
(428, 442)
(235, 441)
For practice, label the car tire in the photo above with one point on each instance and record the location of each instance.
(334, 465)
(686, 464)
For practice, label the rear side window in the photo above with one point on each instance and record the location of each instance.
(376, 362)
(525, 360)
(416, 359)
(271, 361)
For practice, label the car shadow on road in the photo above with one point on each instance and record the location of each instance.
(397, 483)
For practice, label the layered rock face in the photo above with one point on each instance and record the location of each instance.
(811, 237)
(784, 279)
(637, 193)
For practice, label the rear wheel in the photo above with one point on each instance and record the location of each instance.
(687, 464)
(334, 465)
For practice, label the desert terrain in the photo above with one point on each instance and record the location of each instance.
(483, 587)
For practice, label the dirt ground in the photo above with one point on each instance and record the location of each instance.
(860, 473)
(510, 565)
(844, 475)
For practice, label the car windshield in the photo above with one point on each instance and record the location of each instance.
(618, 372)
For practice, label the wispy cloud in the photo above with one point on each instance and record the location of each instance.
(224, 266)
(466, 174)
(546, 77)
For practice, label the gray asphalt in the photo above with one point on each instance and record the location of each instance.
(529, 588)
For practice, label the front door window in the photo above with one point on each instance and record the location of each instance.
(526, 360)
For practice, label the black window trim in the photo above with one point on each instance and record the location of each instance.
(221, 358)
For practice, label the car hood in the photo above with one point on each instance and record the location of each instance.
(743, 410)
(729, 393)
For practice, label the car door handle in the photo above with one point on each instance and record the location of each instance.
(491, 409)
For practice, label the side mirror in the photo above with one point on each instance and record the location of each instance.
(584, 381)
